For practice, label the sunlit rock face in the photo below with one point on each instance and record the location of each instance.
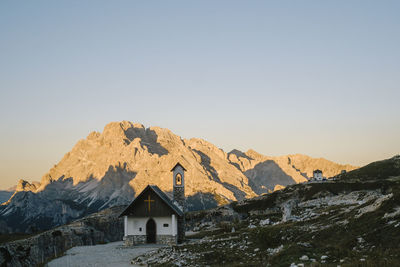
(109, 168)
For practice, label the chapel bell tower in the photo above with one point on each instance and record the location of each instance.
(178, 176)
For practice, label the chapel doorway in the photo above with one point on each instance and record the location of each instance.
(151, 231)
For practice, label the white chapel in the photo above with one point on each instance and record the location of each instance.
(153, 217)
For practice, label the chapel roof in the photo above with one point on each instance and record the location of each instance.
(176, 165)
(162, 196)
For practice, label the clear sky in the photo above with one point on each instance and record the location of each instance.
(320, 78)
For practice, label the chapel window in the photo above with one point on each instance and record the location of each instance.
(178, 179)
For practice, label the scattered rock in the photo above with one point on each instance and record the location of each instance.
(304, 258)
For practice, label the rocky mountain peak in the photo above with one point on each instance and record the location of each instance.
(26, 186)
(109, 168)
(254, 154)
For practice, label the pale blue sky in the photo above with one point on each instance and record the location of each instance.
(314, 77)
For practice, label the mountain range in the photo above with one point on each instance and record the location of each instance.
(109, 168)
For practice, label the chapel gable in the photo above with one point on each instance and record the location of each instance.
(152, 202)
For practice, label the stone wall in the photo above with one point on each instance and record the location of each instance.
(181, 229)
(179, 197)
(132, 240)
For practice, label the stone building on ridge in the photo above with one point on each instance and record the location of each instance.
(317, 175)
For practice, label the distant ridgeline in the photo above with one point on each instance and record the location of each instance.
(109, 168)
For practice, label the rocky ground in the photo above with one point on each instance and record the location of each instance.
(347, 222)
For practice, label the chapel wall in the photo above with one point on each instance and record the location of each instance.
(165, 230)
(134, 224)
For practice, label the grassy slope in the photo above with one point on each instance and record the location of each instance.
(368, 240)
(384, 169)
(380, 245)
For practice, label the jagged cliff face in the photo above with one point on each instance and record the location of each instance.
(110, 168)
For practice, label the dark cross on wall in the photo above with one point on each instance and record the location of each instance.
(149, 200)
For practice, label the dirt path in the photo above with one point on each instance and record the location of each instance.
(111, 254)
